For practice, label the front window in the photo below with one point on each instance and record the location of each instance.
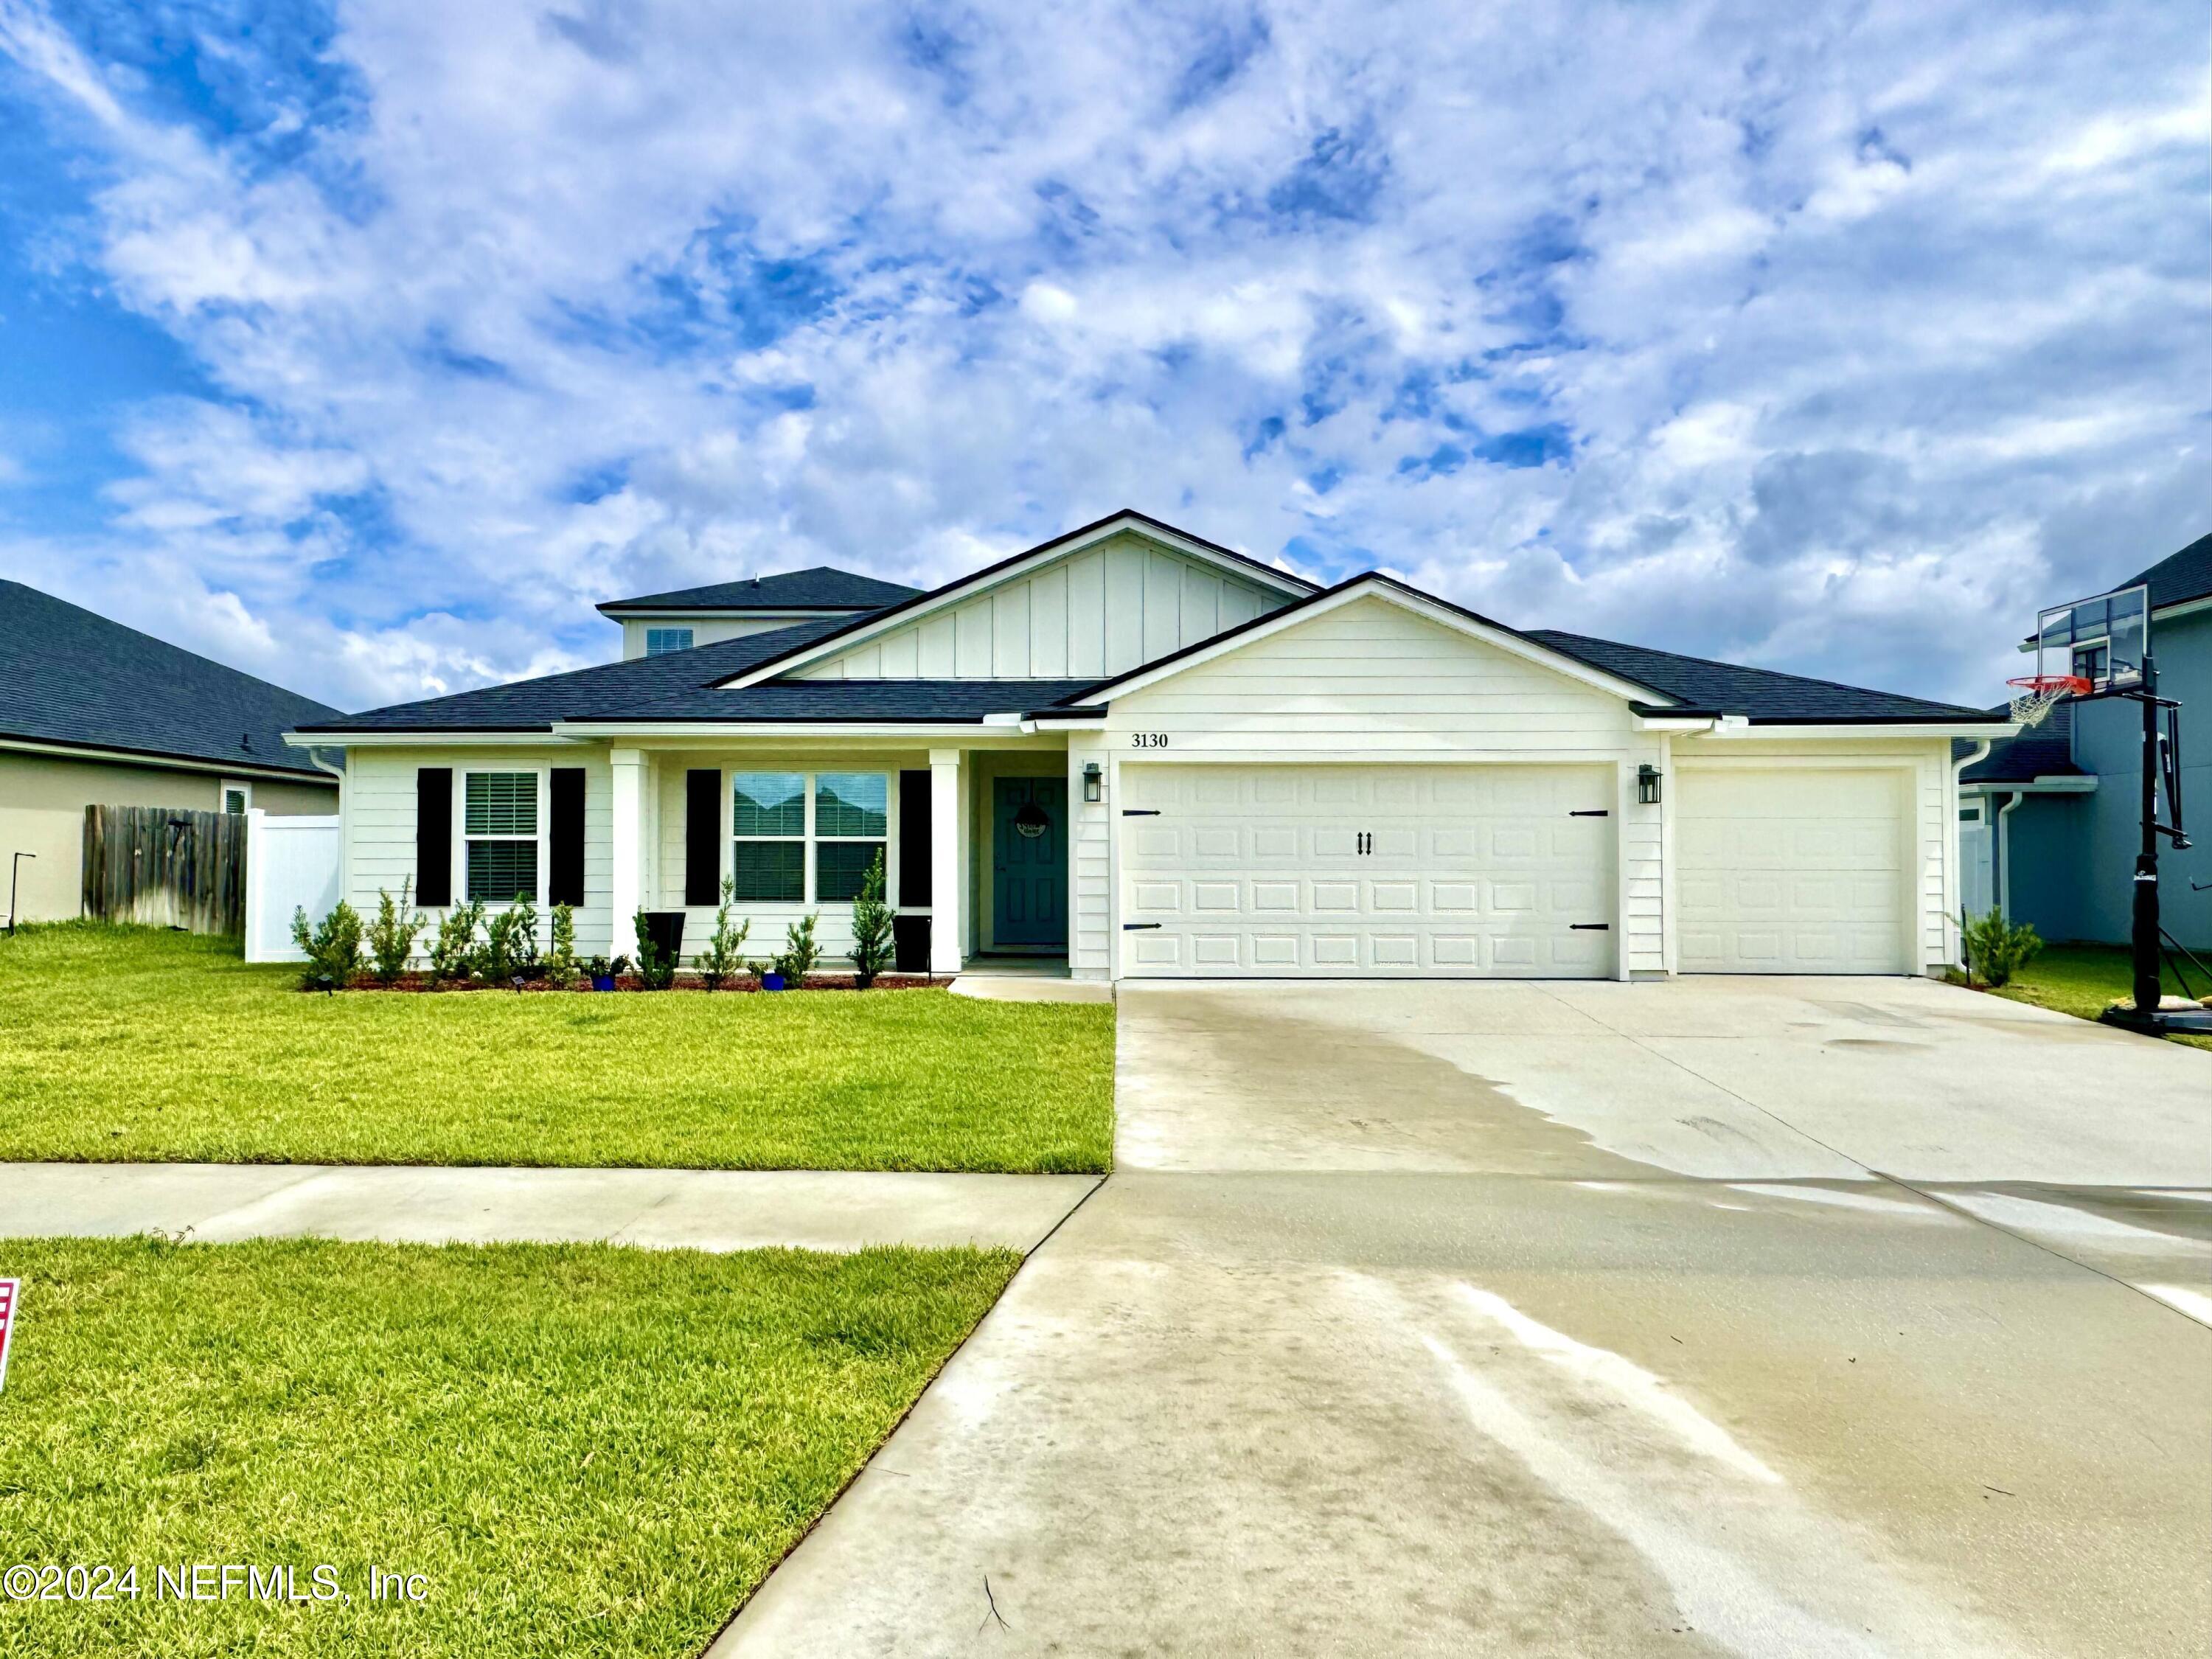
(660, 641)
(767, 824)
(499, 819)
(852, 818)
(777, 817)
(236, 797)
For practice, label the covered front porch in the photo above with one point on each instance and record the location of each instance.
(977, 836)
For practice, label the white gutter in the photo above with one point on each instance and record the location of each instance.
(258, 770)
(1735, 726)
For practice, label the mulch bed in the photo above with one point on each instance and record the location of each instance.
(422, 984)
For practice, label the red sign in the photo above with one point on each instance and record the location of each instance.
(7, 1323)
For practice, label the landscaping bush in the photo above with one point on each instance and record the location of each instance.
(1996, 949)
(561, 957)
(333, 950)
(510, 945)
(724, 958)
(392, 935)
(656, 969)
(872, 927)
(799, 952)
(453, 952)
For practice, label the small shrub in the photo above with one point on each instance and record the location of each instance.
(799, 952)
(724, 958)
(561, 957)
(656, 969)
(453, 952)
(872, 927)
(333, 950)
(1996, 949)
(392, 935)
(510, 945)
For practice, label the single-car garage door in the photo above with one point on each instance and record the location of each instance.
(1320, 871)
(1791, 872)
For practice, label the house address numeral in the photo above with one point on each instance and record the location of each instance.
(1148, 739)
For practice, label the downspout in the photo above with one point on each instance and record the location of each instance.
(2003, 883)
(1980, 752)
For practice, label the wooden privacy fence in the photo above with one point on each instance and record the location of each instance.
(167, 867)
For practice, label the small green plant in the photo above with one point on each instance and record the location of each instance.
(392, 935)
(872, 927)
(1996, 949)
(333, 950)
(510, 946)
(453, 952)
(561, 957)
(799, 952)
(724, 958)
(656, 969)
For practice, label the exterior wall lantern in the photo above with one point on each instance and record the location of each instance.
(1094, 787)
(1647, 785)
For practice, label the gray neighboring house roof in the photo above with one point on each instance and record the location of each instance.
(1763, 696)
(75, 679)
(2178, 578)
(2040, 751)
(824, 587)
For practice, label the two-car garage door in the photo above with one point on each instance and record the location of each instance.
(1330, 871)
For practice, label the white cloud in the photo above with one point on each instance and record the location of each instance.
(1843, 342)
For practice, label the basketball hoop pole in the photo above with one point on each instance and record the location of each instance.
(2146, 940)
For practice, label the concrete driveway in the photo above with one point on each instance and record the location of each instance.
(1722, 1317)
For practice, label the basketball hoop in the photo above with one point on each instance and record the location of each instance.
(2040, 693)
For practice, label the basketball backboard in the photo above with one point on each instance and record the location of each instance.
(2101, 640)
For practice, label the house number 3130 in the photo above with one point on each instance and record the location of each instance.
(1148, 739)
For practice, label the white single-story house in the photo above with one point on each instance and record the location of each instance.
(1155, 757)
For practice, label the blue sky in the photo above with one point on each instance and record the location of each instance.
(366, 346)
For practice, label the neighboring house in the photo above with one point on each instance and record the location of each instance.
(2054, 816)
(654, 624)
(1147, 754)
(99, 714)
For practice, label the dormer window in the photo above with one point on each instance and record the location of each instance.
(660, 641)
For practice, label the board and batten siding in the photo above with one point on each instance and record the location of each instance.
(378, 814)
(1932, 783)
(1372, 683)
(1101, 611)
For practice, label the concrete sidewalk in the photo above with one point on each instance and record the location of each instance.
(663, 1209)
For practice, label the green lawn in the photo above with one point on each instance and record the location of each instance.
(137, 1043)
(584, 1449)
(2082, 980)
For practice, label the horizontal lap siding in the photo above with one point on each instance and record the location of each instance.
(1090, 946)
(379, 828)
(1372, 683)
(1104, 610)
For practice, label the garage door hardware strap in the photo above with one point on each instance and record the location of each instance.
(1140, 811)
(1138, 927)
(1599, 813)
(1590, 927)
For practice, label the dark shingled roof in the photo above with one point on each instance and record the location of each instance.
(1762, 695)
(685, 685)
(2179, 577)
(2040, 751)
(73, 677)
(822, 588)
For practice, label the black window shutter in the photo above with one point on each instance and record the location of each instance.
(914, 838)
(565, 878)
(434, 834)
(702, 836)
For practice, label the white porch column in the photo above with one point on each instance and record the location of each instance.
(626, 847)
(947, 912)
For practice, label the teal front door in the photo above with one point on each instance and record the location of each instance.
(1028, 855)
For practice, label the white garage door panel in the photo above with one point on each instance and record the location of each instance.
(1801, 872)
(1470, 871)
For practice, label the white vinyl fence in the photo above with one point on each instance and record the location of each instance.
(290, 864)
